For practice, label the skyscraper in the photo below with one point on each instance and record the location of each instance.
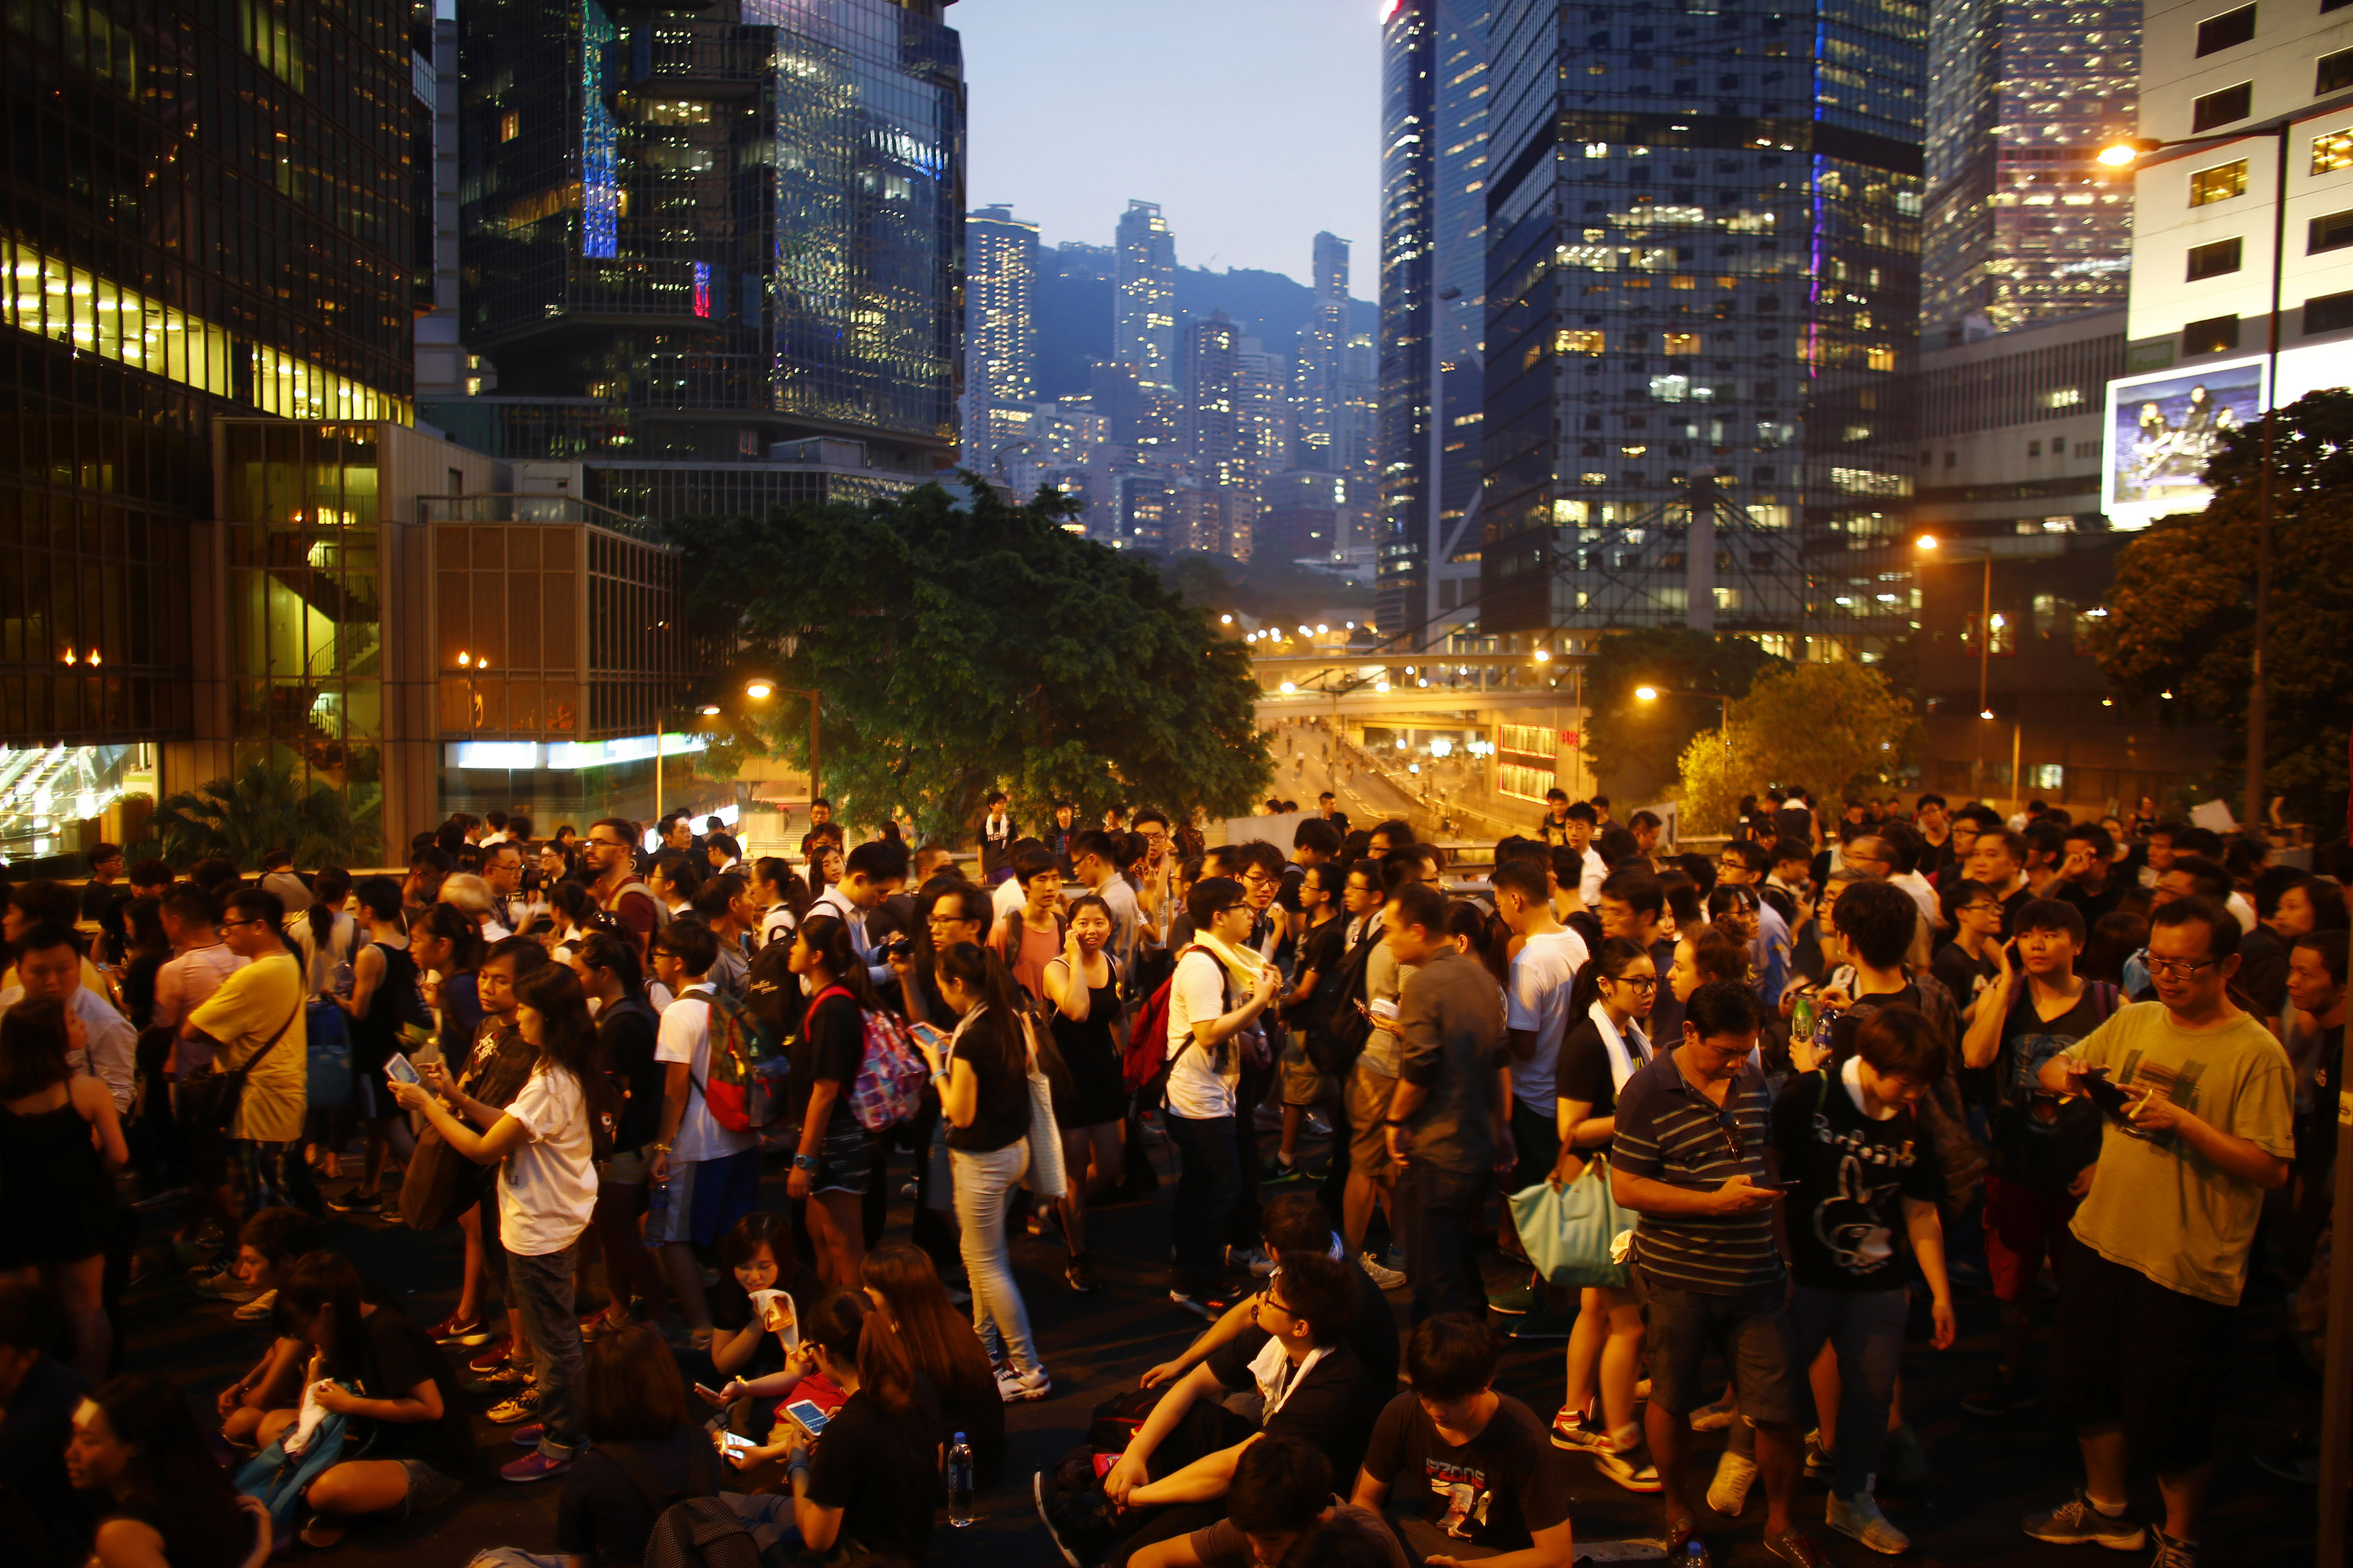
(205, 211)
(1434, 174)
(1000, 327)
(1703, 284)
(2022, 226)
(691, 232)
(1143, 319)
(1317, 396)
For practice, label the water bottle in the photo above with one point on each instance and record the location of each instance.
(1696, 1554)
(1802, 1018)
(339, 980)
(960, 1482)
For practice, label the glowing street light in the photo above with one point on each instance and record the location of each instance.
(758, 690)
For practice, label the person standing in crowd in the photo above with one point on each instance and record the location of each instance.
(627, 1033)
(2087, 875)
(704, 1177)
(165, 1500)
(60, 1144)
(1997, 859)
(1098, 863)
(718, 904)
(2146, 1305)
(1691, 1154)
(1321, 944)
(833, 1158)
(255, 1023)
(1450, 1119)
(1969, 961)
(609, 853)
(1090, 1092)
(996, 833)
(782, 896)
(1364, 1094)
(872, 873)
(386, 993)
(1028, 938)
(1536, 1019)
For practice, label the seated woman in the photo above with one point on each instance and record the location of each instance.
(268, 1246)
(752, 1259)
(872, 1482)
(647, 1448)
(906, 1289)
(168, 1504)
(424, 1448)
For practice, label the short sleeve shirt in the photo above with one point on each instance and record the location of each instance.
(547, 1185)
(1200, 1079)
(1669, 1131)
(1854, 1171)
(1323, 1404)
(1543, 975)
(1491, 1493)
(244, 1015)
(685, 1036)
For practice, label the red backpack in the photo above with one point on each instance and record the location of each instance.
(745, 1088)
(1147, 1038)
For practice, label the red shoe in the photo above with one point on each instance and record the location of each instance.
(493, 1356)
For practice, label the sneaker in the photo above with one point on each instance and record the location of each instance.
(1267, 1119)
(1148, 1123)
(1209, 1306)
(1276, 1171)
(454, 1329)
(533, 1468)
(1629, 1468)
(1712, 1417)
(2172, 1551)
(222, 1285)
(1544, 1325)
(1385, 1278)
(1251, 1259)
(1818, 1458)
(1082, 1525)
(1016, 1387)
(1574, 1429)
(1518, 1300)
(2076, 1522)
(1080, 1276)
(1794, 1545)
(258, 1309)
(1728, 1493)
(522, 1406)
(506, 1374)
(527, 1437)
(493, 1355)
(2002, 1397)
(1858, 1517)
(357, 1202)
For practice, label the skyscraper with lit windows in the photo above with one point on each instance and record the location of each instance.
(1000, 328)
(1143, 323)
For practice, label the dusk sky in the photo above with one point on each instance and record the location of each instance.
(1252, 122)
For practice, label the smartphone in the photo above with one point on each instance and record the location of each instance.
(2106, 1095)
(710, 1394)
(399, 1067)
(812, 1419)
(930, 1034)
(736, 1440)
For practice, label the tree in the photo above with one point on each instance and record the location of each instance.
(961, 646)
(1630, 741)
(2181, 615)
(1831, 727)
(264, 807)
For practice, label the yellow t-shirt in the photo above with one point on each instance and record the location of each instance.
(243, 1015)
(2156, 1205)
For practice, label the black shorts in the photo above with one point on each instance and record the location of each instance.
(2127, 1349)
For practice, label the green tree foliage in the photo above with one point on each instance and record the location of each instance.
(961, 647)
(1831, 727)
(2181, 615)
(1623, 734)
(264, 807)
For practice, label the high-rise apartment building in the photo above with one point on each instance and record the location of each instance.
(690, 233)
(1703, 283)
(2024, 225)
(1318, 398)
(1428, 386)
(205, 211)
(1000, 294)
(1143, 321)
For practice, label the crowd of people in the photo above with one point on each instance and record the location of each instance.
(1736, 1127)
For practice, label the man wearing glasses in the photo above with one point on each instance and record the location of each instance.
(610, 852)
(2146, 1304)
(255, 1021)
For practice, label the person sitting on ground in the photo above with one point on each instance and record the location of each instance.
(904, 1286)
(167, 1503)
(1480, 1480)
(1281, 1502)
(268, 1246)
(756, 1255)
(46, 1523)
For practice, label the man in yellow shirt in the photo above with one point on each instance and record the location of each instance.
(255, 1021)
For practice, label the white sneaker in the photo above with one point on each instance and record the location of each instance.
(1858, 1517)
(1238, 1259)
(1728, 1493)
(1016, 1387)
(1386, 1278)
(258, 1309)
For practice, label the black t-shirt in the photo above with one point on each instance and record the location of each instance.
(1372, 1335)
(1846, 1218)
(1325, 1405)
(398, 1356)
(1584, 1072)
(1002, 1116)
(605, 1515)
(2092, 906)
(1963, 976)
(628, 1031)
(882, 1471)
(2037, 1140)
(832, 1042)
(1320, 949)
(2011, 905)
(1493, 1491)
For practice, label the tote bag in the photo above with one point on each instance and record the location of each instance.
(1046, 1176)
(1571, 1233)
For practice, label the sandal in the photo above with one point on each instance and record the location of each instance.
(321, 1533)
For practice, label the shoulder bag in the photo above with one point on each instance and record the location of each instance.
(209, 1098)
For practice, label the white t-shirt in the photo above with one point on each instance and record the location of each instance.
(1197, 1091)
(547, 1186)
(1588, 883)
(1542, 977)
(1006, 897)
(685, 1036)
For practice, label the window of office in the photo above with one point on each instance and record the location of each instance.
(2333, 232)
(2227, 31)
(2214, 260)
(2215, 335)
(2219, 184)
(2328, 313)
(2333, 72)
(2222, 108)
(2332, 151)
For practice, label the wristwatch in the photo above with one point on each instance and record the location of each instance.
(803, 1161)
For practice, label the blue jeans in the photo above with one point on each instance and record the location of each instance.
(1865, 1329)
(1208, 1187)
(984, 1187)
(1434, 1212)
(539, 1291)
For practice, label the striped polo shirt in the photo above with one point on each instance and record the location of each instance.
(1669, 1131)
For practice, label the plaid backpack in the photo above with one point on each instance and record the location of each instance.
(890, 1071)
(745, 1089)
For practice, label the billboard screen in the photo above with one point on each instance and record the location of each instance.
(2162, 428)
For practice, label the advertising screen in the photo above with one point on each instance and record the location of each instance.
(2162, 429)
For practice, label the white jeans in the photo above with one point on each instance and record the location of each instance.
(984, 1185)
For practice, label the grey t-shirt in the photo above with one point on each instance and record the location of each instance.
(1451, 1014)
(1385, 977)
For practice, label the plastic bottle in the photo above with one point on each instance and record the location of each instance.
(1802, 1018)
(960, 1482)
(1696, 1554)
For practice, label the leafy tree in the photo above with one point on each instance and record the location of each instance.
(2181, 615)
(1627, 741)
(264, 807)
(961, 646)
(1831, 727)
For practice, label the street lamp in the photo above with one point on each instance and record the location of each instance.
(2126, 153)
(1929, 544)
(1724, 709)
(759, 689)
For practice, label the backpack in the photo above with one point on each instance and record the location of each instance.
(702, 1532)
(1147, 1037)
(888, 1086)
(612, 907)
(278, 1480)
(774, 993)
(744, 1081)
(1339, 1037)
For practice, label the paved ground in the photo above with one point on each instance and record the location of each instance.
(1987, 1474)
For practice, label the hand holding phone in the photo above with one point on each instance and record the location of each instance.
(400, 1069)
(809, 1416)
(2101, 1093)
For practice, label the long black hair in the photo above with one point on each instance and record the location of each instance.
(828, 937)
(567, 1037)
(979, 968)
(1617, 955)
(335, 884)
(464, 937)
(778, 873)
(172, 1481)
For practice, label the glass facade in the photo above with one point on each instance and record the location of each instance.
(1703, 282)
(205, 209)
(689, 231)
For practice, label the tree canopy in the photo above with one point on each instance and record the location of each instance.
(1630, 742)
(264, 807)
(2182, 616)
(1829, 727)
(962, 646)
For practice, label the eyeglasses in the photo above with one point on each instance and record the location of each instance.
(1638, 982)
(2179, 969)
(226, 924)
(1230, 909)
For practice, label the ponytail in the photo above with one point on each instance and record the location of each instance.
(1618, 953)
(979, 968)
(335, 884)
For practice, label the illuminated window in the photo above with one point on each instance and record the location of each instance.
(2219, 184)
(2005, 636)
(1879, 359)
(509, 125)
(1682, 342)
(2332, 151)
(1588, 341)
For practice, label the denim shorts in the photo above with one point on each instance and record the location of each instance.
(427, 1488)
(1754, 1334)
(704, 1199)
